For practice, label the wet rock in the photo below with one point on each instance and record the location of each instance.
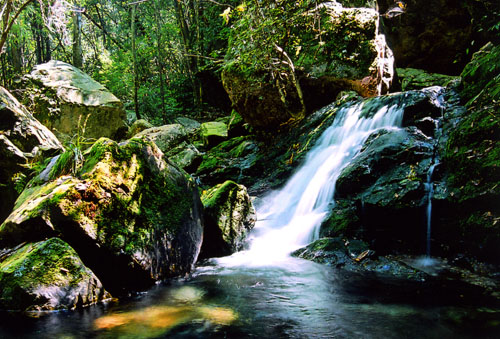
(46, 275)
(355, 256)
(229, 216)
(131, 216)
(412, 78)
(23, 140)
(471, 155)
(65, 99)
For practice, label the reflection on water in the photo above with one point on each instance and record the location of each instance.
(297, 300)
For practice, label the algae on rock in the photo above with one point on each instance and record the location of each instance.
(229, 216)
(46, 275)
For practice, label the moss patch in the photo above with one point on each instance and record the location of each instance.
(41, 276)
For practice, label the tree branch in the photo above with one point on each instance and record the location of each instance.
(117, 43)
(7, 29)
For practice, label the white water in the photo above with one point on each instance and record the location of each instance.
(290, 218)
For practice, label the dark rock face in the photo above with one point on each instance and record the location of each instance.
(23, 139)
(132, 217)
(381, 196)
(471, 159)
(47, 275)
(229, 216)
(438, 35)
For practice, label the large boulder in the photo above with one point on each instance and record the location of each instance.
(165, 137)
(439, 36)
(229, 216)
(46, 275)
(132, 216)
(213, 132)
(70, 102)
(174, 141)
(23, 140)
(382, 195)
(471, 157)
(348, 54)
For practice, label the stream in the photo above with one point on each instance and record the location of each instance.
(264, 293)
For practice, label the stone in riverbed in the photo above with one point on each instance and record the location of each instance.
(229, 216)
(46, 275)
(130, 215)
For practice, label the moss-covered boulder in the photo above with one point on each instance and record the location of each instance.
(165, 137)
(271, 83)
(132, 216)
(412, 78)
(230, 160)
(229, 215)
(213, 132)
(63, 97)
(46, 275)
(137, 127)
(472, 159)
(23, 141)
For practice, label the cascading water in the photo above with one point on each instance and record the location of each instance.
(290, 218)
(430, 192)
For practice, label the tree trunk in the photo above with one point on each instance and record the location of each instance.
(159, 62)
(77, 37)
(190, 60)
(134, 60)
(16, 52)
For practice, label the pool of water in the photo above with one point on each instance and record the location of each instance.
(293, 299)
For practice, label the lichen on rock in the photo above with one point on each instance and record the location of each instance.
(60, 95)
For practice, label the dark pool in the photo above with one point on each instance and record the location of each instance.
(294, 299)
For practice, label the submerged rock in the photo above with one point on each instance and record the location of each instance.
(355, 256)
(132, 217)
(23, 140)
(65, 100)
(46, 275)
(229, 215)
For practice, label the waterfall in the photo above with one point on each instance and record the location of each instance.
(430, 192)
(290, 218)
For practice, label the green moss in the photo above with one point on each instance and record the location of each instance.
(216, 196)
(342, 220)
(38, 265)
(481, 72)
